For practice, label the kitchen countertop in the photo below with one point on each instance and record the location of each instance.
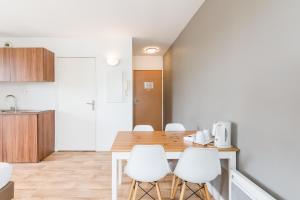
(22, 112)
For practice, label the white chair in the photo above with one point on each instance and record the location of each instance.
(178, 128)
(174, 127)
(137, 128)
(143, 128)
(198, 166)
(147, 163)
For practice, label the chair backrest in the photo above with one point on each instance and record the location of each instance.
(5, 173)
(143, 128)
(198, 165)
(147, 163)
(174, 127)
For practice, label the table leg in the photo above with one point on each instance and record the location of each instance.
(114, 177)
(231, 165)
(120, 172)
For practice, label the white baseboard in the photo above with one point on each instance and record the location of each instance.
(248, 187)
(214, 192)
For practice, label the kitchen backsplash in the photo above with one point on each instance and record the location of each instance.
(37, 96)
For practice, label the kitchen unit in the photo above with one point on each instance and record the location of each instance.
(26, 65)
(26, 136)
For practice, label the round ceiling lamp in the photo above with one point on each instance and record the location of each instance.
(151, 50)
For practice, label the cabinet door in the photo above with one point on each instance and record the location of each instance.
(27, 64)
(5, 64)
(19, 138)
(48, 66)
(46, 134)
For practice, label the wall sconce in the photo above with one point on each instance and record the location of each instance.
(112, 61)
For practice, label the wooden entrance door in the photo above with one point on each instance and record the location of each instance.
(148, 98)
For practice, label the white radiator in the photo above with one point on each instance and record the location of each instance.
(246, 188)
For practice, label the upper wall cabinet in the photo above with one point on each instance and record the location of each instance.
(5, 67)
(26, 65)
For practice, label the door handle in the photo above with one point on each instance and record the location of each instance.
(92, 103)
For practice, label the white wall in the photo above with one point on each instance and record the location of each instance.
(111, 117)
(147, 62)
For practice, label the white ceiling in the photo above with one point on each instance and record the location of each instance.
(149, 22)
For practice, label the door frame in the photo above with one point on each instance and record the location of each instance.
(162, 92)
(96, 99)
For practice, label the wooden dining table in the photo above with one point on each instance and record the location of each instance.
(173, 143)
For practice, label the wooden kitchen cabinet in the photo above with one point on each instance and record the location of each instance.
(5, 66)
(19, 136)
(26, 65)
(46, 131)
(27, 137)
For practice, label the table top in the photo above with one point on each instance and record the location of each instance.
(171, 141)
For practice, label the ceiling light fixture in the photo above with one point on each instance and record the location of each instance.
(151, 50)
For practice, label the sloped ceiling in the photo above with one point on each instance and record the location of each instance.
(149, 22)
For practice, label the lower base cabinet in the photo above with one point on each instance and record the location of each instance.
(27, 137)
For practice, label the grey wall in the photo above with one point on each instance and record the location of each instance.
(239, 60)
(167, 90)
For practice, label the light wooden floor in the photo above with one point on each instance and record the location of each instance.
(73, 175)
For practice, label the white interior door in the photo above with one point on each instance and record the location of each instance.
(75, 116)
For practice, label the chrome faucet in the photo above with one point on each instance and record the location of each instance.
(13, 108)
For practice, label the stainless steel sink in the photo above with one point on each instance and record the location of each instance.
(6, 111)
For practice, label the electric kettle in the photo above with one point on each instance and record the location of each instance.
(222, 132)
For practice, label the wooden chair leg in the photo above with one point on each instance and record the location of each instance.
(158, 191)
(175, 188)
(131, 189)
(201, 191)
(172, 187)
(135, 190)
(182, 190)
(207, 195)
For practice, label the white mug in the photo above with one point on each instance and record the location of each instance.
(200, 137)
(206, 134)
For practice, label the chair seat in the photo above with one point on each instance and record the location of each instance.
(196, 165)
(147, 163)
(149, 175)
(143, 128)
(174, 127)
